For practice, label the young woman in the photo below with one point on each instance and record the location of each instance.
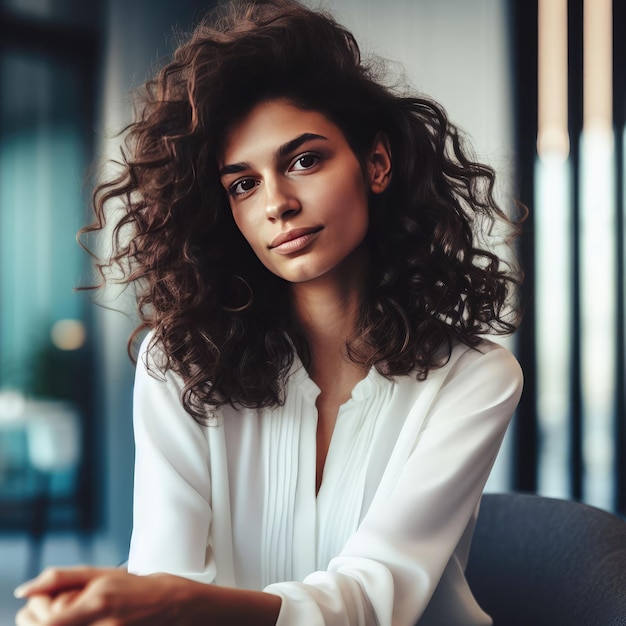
(316, 413)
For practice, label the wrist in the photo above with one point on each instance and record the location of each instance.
(190, 603)
(183, 601)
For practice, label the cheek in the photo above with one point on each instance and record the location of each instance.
(250, 232)
(355, 202)
(345, 190)
(244, 226)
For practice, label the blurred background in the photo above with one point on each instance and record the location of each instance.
(538, 86)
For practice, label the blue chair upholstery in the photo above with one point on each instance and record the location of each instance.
(539, 561)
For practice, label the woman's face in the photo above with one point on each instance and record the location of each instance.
(297, 191)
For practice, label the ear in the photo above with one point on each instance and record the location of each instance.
(379, 164)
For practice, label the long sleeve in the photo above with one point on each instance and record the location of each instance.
(202, 494)
(172, 492)
(410, 538)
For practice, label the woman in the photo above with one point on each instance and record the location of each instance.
(316, 412)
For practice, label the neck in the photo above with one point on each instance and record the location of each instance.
(326, 311)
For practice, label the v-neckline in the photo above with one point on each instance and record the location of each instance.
(309, 387)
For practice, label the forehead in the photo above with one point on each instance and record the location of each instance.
(269, 125)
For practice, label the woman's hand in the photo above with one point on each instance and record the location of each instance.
(88, 596)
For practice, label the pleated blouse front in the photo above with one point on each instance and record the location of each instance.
(234, 503)
(291, 531)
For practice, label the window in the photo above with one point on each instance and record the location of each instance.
(46, 85)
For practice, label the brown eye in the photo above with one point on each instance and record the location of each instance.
(305, 162)
(242, 186)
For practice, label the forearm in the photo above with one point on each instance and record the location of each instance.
(83, 596)
(205, 605)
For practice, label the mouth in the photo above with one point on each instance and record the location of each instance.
(294, 239)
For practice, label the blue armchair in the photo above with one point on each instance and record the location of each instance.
(539, 561)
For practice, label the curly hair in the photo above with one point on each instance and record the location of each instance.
(220, 317)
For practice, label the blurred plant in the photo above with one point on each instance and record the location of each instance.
(48, 372)
(53, 373)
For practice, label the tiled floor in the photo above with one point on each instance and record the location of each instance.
(14, 552)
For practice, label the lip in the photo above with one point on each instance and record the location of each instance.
(293, 240)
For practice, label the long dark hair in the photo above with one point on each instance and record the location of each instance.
(221, 320)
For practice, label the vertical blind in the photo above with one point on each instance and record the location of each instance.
(570, 128)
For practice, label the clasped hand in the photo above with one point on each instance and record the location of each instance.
(87, 596)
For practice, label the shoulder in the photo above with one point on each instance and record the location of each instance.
(479, 378)
(488, 359)
(162, 389)
(485, 378)
(157, 389)
(150, 355)
(152, 366)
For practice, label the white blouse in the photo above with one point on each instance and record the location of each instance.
(386, 539)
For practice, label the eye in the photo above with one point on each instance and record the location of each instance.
(305, 162)
(242, 186)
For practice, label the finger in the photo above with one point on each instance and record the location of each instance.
(88, 606)
(114, 621)
(63, 601)
(24, 617)
(35, 612)
(54, 580)
(40, 608)
(110, 600)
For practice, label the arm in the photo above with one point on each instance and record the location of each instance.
(389, 569)
(172, 499)
(172, 490)
(82, 596)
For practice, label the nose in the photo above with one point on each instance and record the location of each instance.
(280, 202)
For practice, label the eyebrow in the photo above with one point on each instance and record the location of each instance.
(285, 149)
